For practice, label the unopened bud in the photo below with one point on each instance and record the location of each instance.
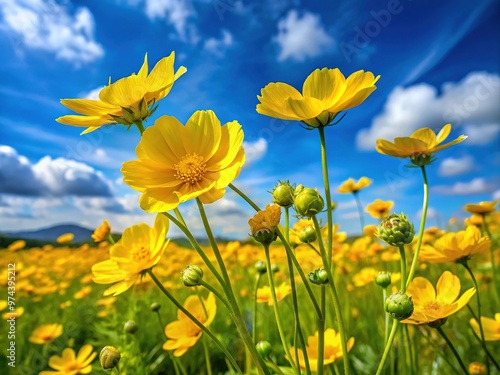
(264, 348)
(383, 279)
(109, 357)
(319, 277)
(396, 230)
(308, 202)
(192, 276)
(308, 234)
(130, 327)
(399, 306)
(155, 306)
(283, 194)
(260, 267)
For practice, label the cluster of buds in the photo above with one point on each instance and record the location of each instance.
(396, 230)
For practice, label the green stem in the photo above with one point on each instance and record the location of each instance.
(422, 227)
(483, 341)
(479, 338)
(321, 332)
(360, 211)
(207, 356)
(388, 345)
(255, 305)
(110, 238)
(386, 320)
(276, 309)
(496, 285)
(329, 211)
(439, 351)
(140, 126)
(407, 345)
(194, 320)
(454, 351)
(335, 298)
(238, 318)
(403, 268)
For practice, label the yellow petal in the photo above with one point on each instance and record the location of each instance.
(125, 92)
(425, 135)
(272, 100)
(143, 72)
(89, 107)
(443, 133)
(448, 288)
(160, 141)
(76, 120)
(460, 139)
(231, 140)
(204, 134)
(84, 354)
(326, 85)
(159, 200)
(421, 291)
(304, 108)
(162, 74)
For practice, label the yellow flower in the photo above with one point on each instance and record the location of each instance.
(349, 186)
(379, 209)
(17, 245)
(454, 247)
(332, 351)
(139, 249)
(419, 146)
(70, 363)
(127, 100)
(183, 333)
(177, 163)
(82, 293)
(325, 93)
(264, 293)
(482, 208)
(16, 313)
(66, 237)
(474, 219)
(364, 277)
(491, 327)
(264, 223)
(477, 368)
(101, 233)
(46, 333)
(432, 305)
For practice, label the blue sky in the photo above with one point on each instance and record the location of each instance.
(438, 61)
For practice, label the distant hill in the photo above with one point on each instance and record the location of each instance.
(51, 233)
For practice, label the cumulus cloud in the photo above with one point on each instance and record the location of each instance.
(255, 150)
(471, 104)
(456, 166)
(218, 47)
(92, 94)
(496, 194)
(302, 37)
(476, 186)
(51, 27)
(128, 204)
(49, 177)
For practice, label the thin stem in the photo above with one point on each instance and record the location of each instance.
(455, 353)
(403, 268)
(238, 318)
(207, 356)
(321, 332)
(276, 309)
(335, 298)
(194, 320)
(360, 211)
(386, 320)
(326, 183)
(492, 256)
(483, 341)
(110, 239)
(255, 305)
(422, 227)
(388, 345)
(439, 351)
(140, 126)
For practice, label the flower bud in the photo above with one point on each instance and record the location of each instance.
(109, 357)
(264, 224)
(399, 305)
(274, 268)
(192, 276)
(283, 194)
(308, 234)
(155, 306)
(260, 266)
(264, 348)
(319, 277)
(396, 230)
(308, 202)
(383, 279)
(130, 327)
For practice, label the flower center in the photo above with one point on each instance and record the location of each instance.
(432, 305)
(190, 169)
(140, 254)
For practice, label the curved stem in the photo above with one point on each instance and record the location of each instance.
(335, 298)
(194, 320)
(326, 183)
(421, 229)
(455, 353)
(238, 318)
(276, 309)
(388, 345)
(360, 211)
(481, 330)
(140, 126)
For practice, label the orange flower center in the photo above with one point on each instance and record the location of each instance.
(432, 305)
(190, 169)
(74, 366)
(140, 254)
(47, 337)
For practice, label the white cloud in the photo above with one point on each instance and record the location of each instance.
(496, 194)
(432, 213)
(456, 166)
(255, 150)
(475, 186)
(49, 177)
(219, 46)
(49, 26)
(301, 37)
(92, 94)
(471, 103)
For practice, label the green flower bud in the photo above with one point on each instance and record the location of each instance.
(130, 327)
(260, 266)
(109, 357)
(399, 305)
(155, 306)
(319, 277)
(274, 268)
(192, 276)
(283, 194)
(308, 202)
(308, 234)
(396, 230)
(333, 206)
(383, 279)
(264, 348)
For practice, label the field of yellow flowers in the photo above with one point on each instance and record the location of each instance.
(297, 297)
